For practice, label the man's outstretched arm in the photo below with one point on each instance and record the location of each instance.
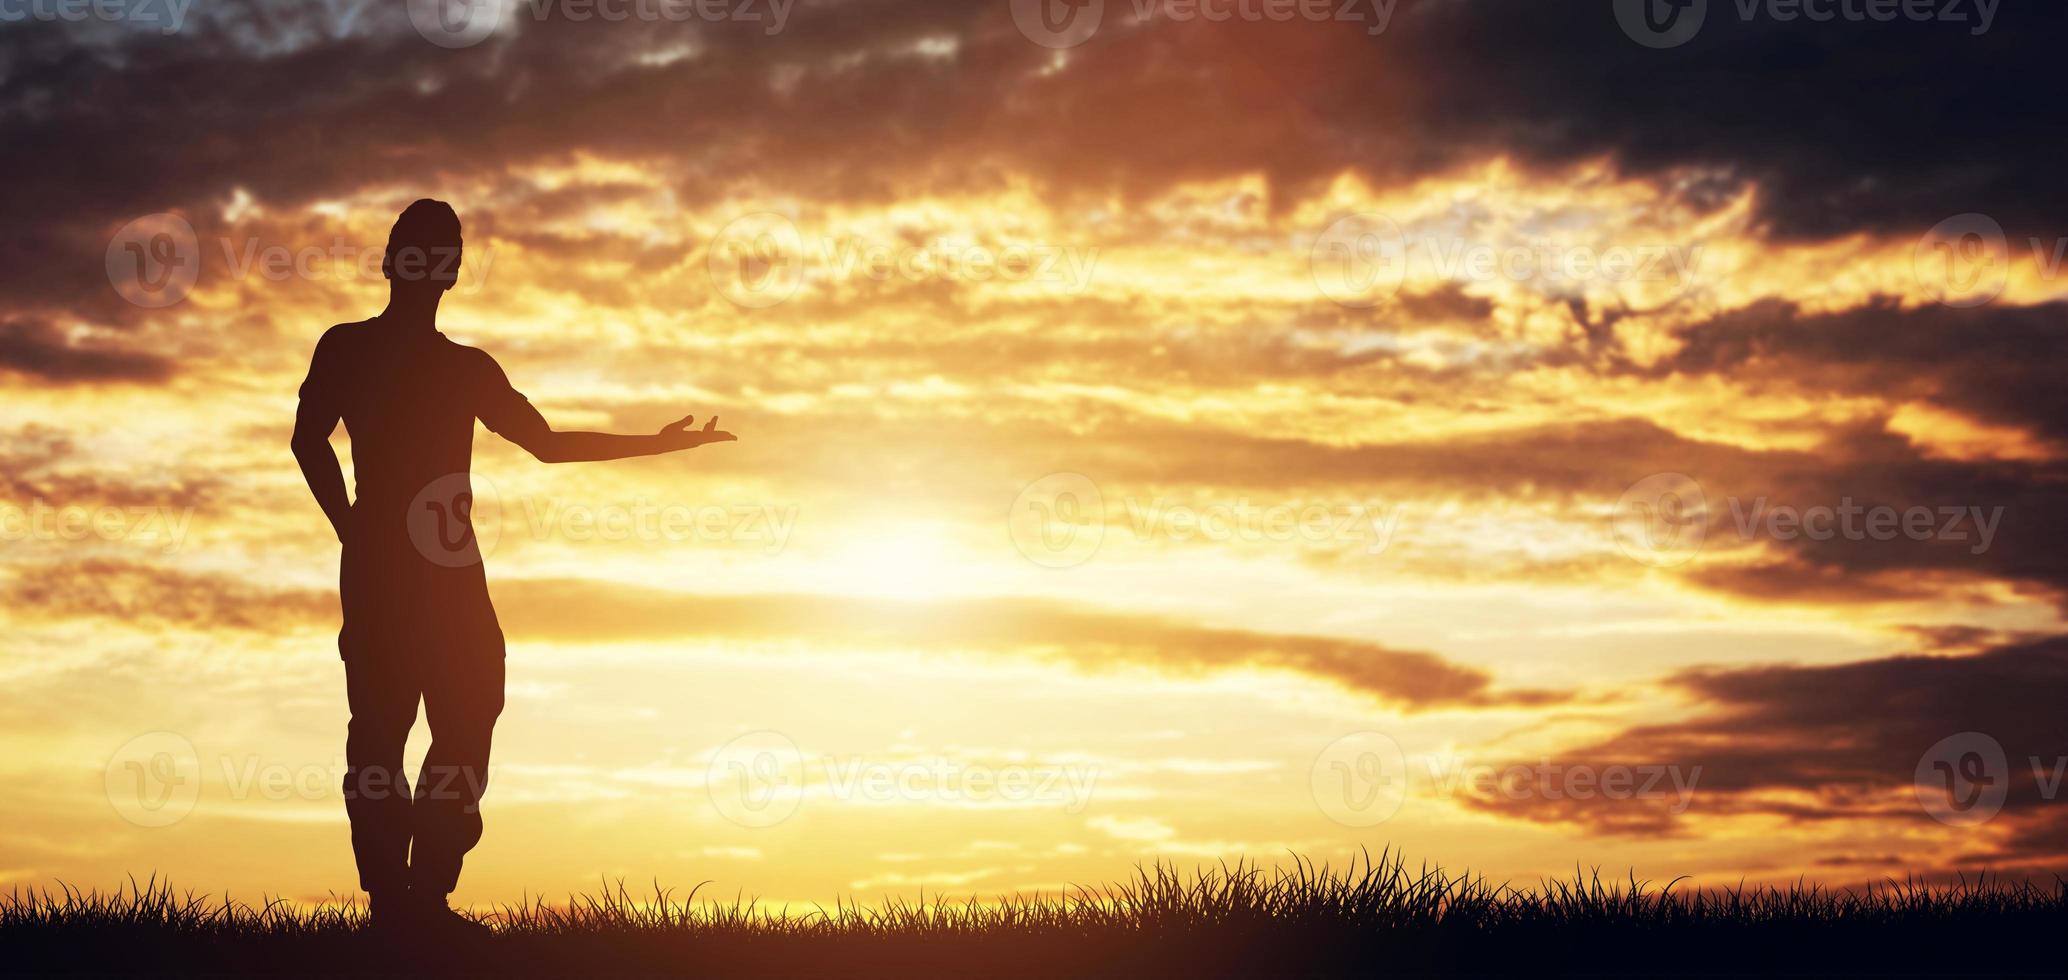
(524, 426)
(312, 426)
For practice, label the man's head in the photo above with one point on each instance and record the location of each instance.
(424, 247)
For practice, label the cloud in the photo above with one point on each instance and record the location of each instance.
(847, 105)
(597, 160)
(138, 596)
(144, 596)
(1996, 364)
(578, 611)
(39, 350)
(1819, 744)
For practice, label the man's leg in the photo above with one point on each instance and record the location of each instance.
(382, 694)
(462, 698)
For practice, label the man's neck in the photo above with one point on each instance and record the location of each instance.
(412, 311)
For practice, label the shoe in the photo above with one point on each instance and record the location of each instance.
(389, 913)
(434, 917)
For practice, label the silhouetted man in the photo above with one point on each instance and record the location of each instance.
(417, 620)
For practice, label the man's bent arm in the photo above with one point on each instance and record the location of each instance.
(527, 428)
(312, 427)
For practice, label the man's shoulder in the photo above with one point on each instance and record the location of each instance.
(343, 334)
(338, 357)
(471, 356)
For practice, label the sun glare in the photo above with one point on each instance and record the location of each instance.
(909, 560)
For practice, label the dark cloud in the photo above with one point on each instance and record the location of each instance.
(1941, 639)
(1824, 743)
(1998, 364)
(150, 597)
(1804, 583)
(39, 350)
(845, 104)
(1827, 119)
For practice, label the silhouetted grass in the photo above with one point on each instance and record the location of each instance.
(1376, 917)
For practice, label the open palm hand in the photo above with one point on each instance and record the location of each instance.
(683, 433)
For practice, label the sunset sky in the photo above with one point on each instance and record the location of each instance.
(1164, 438)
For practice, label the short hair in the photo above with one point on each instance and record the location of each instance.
(425, 244)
